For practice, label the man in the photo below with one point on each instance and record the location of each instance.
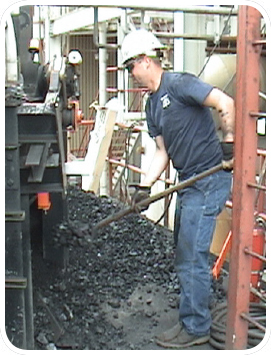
(180, 120)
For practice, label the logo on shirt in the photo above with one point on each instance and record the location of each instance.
(165, 101)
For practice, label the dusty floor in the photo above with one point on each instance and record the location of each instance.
(126, 324)
(145, 314)
(119, 289)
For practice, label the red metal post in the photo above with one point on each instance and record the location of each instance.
(247, 101)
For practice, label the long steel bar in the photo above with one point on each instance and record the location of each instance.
(256, 186)
(252, 321)
(258, 114)
(247, 101)
(156, 197)
(191, 36)
(259, 42)
(255, 255)
(127, 90)
(169, 6)
(258, 294)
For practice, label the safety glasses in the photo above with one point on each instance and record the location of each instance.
(131, 63)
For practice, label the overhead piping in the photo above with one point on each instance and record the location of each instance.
(192, 36)
(205, 10)
(96, 34)
(199, 10)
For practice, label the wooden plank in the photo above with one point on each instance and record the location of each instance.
(100, 139)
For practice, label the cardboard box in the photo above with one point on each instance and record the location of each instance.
(223, 226)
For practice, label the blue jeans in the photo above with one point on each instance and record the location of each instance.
(195, 218)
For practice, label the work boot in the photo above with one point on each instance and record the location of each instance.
(170, 334)
(177, 337)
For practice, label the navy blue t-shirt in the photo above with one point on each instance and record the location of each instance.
(176, 113)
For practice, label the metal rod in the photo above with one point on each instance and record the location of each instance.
(257, 293)
(259, 198)
(221, 50)
(259, 42)
(96, 34)
(208, 10)
(193, 36)
(256, 255)
(257, 114)
(156, 197)
(252, 321)
(262, 95)
(256, 186)
(127, 90)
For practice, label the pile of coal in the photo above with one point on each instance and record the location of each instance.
(117, 257)
(105, 267)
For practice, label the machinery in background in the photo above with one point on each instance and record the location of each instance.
(41, 101)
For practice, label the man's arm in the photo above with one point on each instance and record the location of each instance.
(158, 164)
(225, 107)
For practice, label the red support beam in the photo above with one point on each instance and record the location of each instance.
(247, 101)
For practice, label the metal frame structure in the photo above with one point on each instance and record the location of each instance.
(247, 103)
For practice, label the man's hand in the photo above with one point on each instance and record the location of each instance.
(140, 194)
(227, 160)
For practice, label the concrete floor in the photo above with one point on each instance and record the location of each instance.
(147, 313)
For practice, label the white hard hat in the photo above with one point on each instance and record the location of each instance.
(139, 42)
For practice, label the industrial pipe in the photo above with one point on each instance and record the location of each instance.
(204, 10)
(193, 36)
(96, 34)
